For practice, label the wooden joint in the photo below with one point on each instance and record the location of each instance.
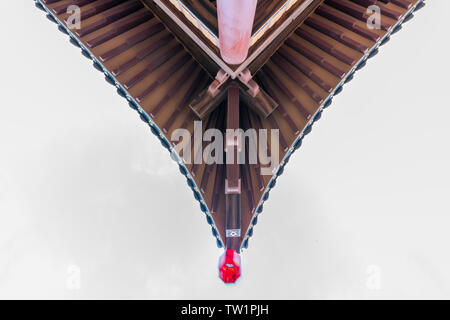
(216, 86)
(209, 99)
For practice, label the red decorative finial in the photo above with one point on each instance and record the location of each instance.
(230, 266)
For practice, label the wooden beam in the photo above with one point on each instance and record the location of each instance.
(210, 98)
(255, 97)
(233, 178)
(205, 102)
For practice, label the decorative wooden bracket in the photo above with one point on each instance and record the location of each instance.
(251, 93)
(210, 98)
(217, 84)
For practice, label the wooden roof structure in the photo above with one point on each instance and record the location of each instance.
(163, 58)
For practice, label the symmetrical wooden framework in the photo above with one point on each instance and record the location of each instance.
(295, 68)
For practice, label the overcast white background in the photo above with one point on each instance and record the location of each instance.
(91, 205)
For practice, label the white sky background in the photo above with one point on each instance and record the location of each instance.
(91, 205)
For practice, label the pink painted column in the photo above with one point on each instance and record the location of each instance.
(235, 28)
